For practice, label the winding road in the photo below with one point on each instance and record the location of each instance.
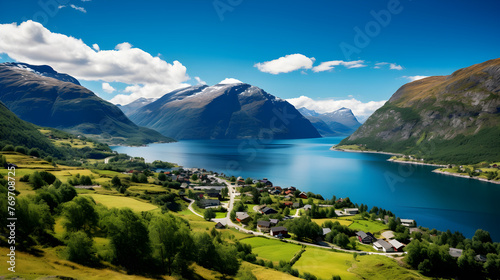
(229, 223)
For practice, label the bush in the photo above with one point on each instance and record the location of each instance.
(21, 149)
(80, 248)
(8, 148)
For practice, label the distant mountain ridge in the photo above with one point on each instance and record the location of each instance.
(336, 123)
(224, 111)
(130, 108)
(446, 119)
(40, 95)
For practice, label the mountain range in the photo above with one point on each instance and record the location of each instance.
(447, 119)
(40, 95)
(223, 111)
(337, 123)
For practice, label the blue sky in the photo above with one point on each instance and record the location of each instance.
(214, 40)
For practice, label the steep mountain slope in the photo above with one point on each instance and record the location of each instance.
(130, 108)
(224, 111)
(14, 131)
(453, 118)
(336, 123)
(58, 101)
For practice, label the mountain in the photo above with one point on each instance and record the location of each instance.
(336, 123)
(40, 95)
(16, 132)
(447, 119)
(130, 108)
(224, 111)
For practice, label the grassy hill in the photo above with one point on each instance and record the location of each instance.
(442, 119)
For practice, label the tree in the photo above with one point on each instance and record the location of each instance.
(8, 148)
(36, 180)
(194, 177)
(232, 179)
(303, 227)
(21, 150)
(81, 215)
(34, 152)
(116, 182)
(209, 214)
(172, 241)
(341, 240)
(227, 263)
(248, 181)
(135, 179)
(286, 211)
(255, 196)
(162, 177)
(143, 178)
(80, 248)
(129, 239)
(224, 192)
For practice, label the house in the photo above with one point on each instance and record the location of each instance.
(398, 246)
(242, 217)
(408, 222)
(287, 192)
(288, 203)
(204, 203)
(220, 225)
(292, 189)
(278, 231)
(296, 205)
(351, 211)
(365, 238)
(456, 253)
(268, 211)
(303, 195)
(273, 221)
(382, 245)
(326, 231)
(264, 226)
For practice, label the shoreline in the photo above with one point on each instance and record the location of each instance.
(416, 162)
(465, 176)
(359, 151)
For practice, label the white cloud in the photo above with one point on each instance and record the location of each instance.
(150, 76)
(108, 88)
(80, 9)
(329, 65)
(415, 78)
(230, 81)
(61, 6)
(96, 47)
(360, 109)
(200, 81)
(286, 64)
(148, 91)
(392, 66)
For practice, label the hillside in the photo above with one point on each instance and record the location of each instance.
(445, 119)
(40, 95)
(336, 123)
(16, 132)
(224, 111)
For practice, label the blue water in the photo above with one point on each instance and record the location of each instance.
(410, 191)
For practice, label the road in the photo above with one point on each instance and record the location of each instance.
(229, 223)
(106, 160)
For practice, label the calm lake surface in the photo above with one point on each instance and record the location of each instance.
(410, 191)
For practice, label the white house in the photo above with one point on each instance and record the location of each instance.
(351, 211)
(382, 245)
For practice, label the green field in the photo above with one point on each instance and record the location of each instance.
(272, 250)
(367, 226)
(121, 202)
(342, 222)
(382, 268)
(325, 263)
